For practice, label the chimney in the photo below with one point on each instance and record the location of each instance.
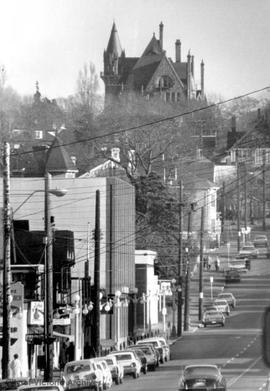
(192, 65)
(161, 35)
(233, 124)
(188, 76)
(202, 78)
(178, 50)
(115, 153)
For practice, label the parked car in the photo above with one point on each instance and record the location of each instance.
(141, 356)
(157, 344)
(117, 370)
(232, 276)
(213, 317)
(222, 306)
(229, 297)
(82, 374)
(13, 384)
(107, 376)
(151, 356)
(166, 347)
(241, 264)
(260, 241)
(42, 386)
(202, 377)
(129, 361)
(249, 251)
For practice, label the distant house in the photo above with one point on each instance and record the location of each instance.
(151, 74)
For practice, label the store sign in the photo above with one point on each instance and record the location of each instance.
(36, 313)
(165, 288)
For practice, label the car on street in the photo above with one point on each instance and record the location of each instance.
(140, 355)
(106, 372)
(241, 264)
(13, 384)
(232, 276)
(151, 356)
(229, 297)
(117, 370)
(249, 251)
(260, 241)
(213, 317)
(37, 385)
(157, 345)
(222, 306)
(129, 361)
(166, 347)
(202, 377)
(82, 374)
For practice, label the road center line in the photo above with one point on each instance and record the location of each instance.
(233, 381)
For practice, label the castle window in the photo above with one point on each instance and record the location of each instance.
(173, 96)
(38, 134)
(178, 97)
(164, 82)
(168, 97)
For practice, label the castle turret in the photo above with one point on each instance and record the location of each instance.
(202, 78)
(111, 75)
(188, 76)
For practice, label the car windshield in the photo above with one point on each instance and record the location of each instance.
(246, 248)
(109, 361)
(78, 368)
(220, 302)
(212, 312)
(203, 371)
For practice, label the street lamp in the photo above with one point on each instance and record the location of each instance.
(77, 340)
(174, 288)
(118, 305)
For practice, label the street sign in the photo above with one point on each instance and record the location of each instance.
(165, 288)
(36, 315)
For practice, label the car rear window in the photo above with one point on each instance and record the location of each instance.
(200, 372)
(78, 368)
(124, 357)
(109, 361)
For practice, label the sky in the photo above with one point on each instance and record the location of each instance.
(49, 41)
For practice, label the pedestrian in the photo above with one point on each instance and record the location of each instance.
(70, 352)
(62, 356)
(16, 367)
(204, 262)
(208, 264)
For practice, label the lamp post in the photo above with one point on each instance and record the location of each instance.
(173, 333)
(118, 328)
(77, 339)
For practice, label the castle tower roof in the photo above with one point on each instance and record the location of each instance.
(114, 45)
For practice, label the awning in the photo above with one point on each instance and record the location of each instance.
(66, 336)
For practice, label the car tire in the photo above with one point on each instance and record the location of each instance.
(104, 386)
(153, 367)
(222, 324)
(121, 380)
(228, 313)
(117, 380)
(144, 371)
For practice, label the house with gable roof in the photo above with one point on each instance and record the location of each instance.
(151, 74)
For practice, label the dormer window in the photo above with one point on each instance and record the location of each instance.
(38, 134)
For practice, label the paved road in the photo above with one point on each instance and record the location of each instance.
(235, 348)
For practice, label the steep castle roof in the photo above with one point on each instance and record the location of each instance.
(114, 45)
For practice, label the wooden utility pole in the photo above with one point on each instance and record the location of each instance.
(48, 318)
(96, 298)
(201, 266)
(238, 202)
(6, 266)
(187, 285)
(111, 257)
(223, 209)
(264, 194)
(180, 251)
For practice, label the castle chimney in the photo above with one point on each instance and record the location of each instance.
(161, 35)
(192, 65)
(202, 78)
(188, 76)
(178, 50)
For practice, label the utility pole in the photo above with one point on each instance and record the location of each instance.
(245, 197)
(96, 298)
(238, 201)
(187, 285)
(201, 266)
(180, 250)
(223, 208)
(6, 266)
(111, 256)
(48, 319)
(264, 193)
